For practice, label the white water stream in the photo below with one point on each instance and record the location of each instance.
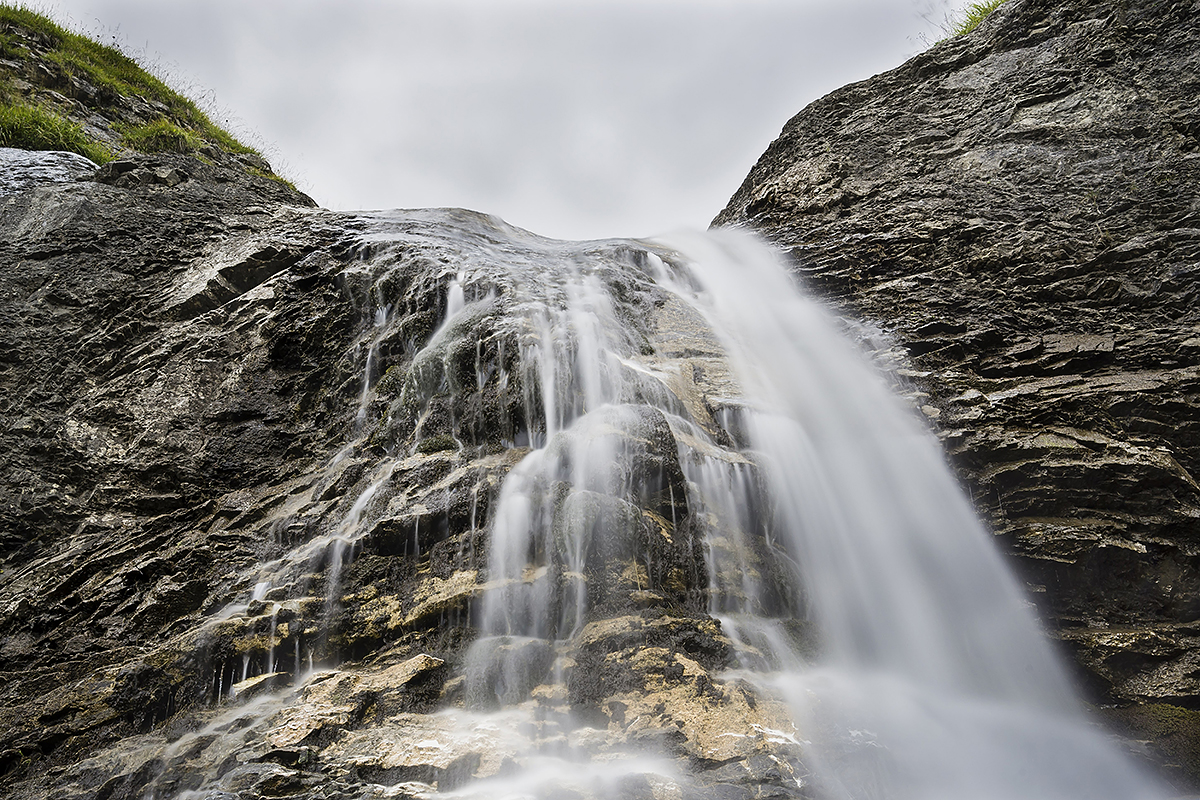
(934, 679)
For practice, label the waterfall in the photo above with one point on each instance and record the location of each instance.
(932, 677)
(645, 437)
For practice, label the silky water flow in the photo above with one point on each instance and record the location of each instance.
(823, 529)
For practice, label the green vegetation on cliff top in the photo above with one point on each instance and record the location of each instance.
(969, 17)
(33, 128)
(104, 80)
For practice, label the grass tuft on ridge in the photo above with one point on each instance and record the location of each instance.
(114, 76)
(32, 128)
(969, 18)
(160, 136)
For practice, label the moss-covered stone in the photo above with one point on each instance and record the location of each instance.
(436, 444)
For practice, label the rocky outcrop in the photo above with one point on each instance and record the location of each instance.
(1018, 212)
(21, 170)
(122, 436)
(245, 504)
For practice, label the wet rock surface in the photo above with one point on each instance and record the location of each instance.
(250, 473)
(132, 436)
(254, 452)
(1017, 214)
(23, 169)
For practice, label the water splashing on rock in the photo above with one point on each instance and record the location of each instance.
(931, 677)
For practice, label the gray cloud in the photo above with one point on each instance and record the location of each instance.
(574, 118)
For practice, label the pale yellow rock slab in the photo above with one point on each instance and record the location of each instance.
(331, 699)
(434, 741)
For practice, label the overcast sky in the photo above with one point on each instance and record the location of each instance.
(572, 118)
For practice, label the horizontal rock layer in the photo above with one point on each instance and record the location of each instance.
(1014, 216)
(244, 515)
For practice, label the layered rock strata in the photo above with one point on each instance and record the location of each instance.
(249, 481)
(189, 397)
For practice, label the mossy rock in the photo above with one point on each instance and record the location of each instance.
(436, 444)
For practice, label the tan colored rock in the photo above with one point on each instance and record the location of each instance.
(381, 614)
(260, 683)
(294, 724)
(719, 720)
(330, 700)
(437, 596)
(428, 746)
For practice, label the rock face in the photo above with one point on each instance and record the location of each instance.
(1018, 212)
(120, 435)
(23, 169)
(250, 474)
(254, 450)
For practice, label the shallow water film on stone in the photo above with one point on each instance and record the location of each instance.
(612, 519)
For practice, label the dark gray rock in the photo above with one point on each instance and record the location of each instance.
(22, 170)
(1018, 211)
(121, 430)
(183, 362)
(189, 405)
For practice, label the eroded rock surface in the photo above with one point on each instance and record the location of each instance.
(254, 450)
(21, 170)
(1018, 211)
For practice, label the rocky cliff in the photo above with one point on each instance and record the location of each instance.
(1018, 212)
(251, 473)
(249, 483)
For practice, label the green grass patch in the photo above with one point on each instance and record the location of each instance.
(968, 19)
(160, 136)
(271, 176)
(10, 47)
(116, 74)
(25, 17)
(32, 128)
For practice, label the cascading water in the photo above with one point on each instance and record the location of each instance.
(653, 434)
(933, 679)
